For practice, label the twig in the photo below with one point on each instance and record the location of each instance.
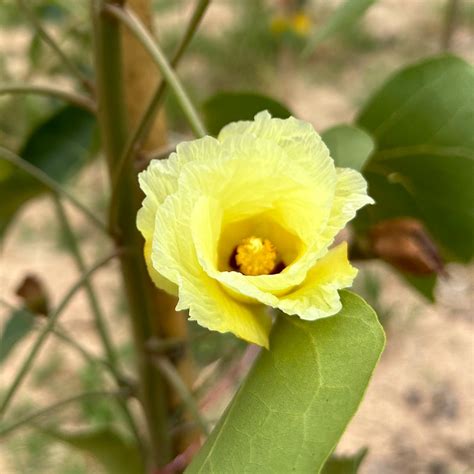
(152, 390)
(140, 133)
(232, 376)
(52, 319)
(62, 403)
(60, 333)
(172, 376)
(48, 39)
(450, 20)
(73, 98)
(161, 153)
(130, 20)
(51, 184)
(99, 319)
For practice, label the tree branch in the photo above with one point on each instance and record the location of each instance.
(48, 39)
(75, 99)
(52, 319)
(129, 19)
(121, 395)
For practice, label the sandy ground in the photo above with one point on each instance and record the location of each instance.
(418, 414)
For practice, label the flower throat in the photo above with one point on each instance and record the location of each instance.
(256, 256)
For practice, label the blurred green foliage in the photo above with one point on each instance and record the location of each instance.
(245, 53)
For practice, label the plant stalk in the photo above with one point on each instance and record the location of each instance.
(48, 39)
(58, 405)
(129, 19)
(142, 129)
(97, 313)
(172, 375)
(450, 22)
(96, 310)
(45, 332)
(110, 93)
(73, 98)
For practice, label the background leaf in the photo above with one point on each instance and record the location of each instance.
(299, 397)
(226, 107)
(421, 121)
(345, 16)
(350, 146)
(60, 147)
(19, 324)
(116, 454)
(344, 464)
(425, 285)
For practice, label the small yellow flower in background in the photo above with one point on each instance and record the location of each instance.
(245, 221)
(298, 23)
(301, 23)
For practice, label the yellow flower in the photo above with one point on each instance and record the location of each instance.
(301, 24)
(298, 23)
(245, 221)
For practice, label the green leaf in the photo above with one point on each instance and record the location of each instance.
(60, 147)
(35, 49)
(350, 146)
(425, 285)
(421, 121)
(344, 464)
(299, 397)
(116, 454)
(226, 107)
(19, 324)
(344, 17)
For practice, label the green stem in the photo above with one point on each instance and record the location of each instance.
(58, 405)
(99, 319)
(96, 310)
(136, 27)
(75, 99)
(172, 376)
(51, 184)
(40, 340)
(48, 39)
(121, 382)
(87, 356)
(161, 153)
(152, 389)
(138, 136)
(60, 333)
(450, 20)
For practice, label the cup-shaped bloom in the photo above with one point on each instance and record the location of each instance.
(245, 221)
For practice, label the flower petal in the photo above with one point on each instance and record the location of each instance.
(174, 257)
(160, 281)
(350, 196)
(212, 307)
(317, 297)
(160, 180)
(297, 138)
(257, 177)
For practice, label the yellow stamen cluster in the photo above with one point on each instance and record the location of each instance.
(256, 256)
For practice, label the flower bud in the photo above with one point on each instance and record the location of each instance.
(405, 243)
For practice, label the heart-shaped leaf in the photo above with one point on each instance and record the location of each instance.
(59, 147)
(226, 107)
(350, 146)
(299, 397)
